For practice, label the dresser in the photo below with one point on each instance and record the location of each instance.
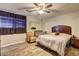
(76, 42)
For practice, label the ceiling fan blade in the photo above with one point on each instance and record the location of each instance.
(53, 10)
(36, 4)
(47, 11)
(48, 6)
(30, 10)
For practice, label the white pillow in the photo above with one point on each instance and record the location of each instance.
(65, 35)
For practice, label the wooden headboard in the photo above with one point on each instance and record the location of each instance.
(62, 29)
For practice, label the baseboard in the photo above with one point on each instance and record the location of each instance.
(12, 44)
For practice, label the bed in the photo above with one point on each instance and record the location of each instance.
(57, 40)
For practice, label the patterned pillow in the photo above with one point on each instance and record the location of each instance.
(57, 33)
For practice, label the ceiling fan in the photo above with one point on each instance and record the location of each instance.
(41, 8)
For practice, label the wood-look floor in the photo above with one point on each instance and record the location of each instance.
(31, 49)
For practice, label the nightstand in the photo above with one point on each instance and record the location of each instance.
(75, 42)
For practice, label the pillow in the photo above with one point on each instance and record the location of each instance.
(65, 35)
(57, 33)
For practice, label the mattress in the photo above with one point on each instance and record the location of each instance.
(55, 42)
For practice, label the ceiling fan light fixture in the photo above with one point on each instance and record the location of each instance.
(41, 12)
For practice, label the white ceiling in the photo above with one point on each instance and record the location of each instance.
(60, 7)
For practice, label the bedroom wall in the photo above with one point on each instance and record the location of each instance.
(71, 19)
(33, 21)
(7, 40)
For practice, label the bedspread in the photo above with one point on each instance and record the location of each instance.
(56, 43)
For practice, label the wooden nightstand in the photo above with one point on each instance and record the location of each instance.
(75, 42)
